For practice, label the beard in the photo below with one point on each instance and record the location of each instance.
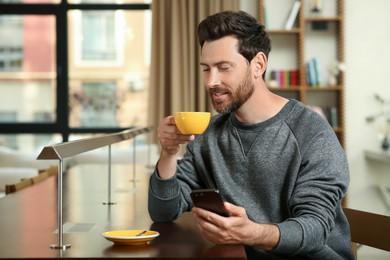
(236, 98)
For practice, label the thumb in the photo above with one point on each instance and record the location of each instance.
(233, 209)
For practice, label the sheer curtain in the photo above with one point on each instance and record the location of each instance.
(176, 80)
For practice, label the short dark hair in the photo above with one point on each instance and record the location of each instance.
(251, 34)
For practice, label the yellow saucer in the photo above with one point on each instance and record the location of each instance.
(129, 237)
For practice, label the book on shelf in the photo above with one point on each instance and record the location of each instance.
(316, 65)
(314, 77)
(311, 72)
(283, 78)
(293, 15)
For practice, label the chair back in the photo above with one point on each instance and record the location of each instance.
(369, 229)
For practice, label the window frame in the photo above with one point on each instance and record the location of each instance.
(60, 11)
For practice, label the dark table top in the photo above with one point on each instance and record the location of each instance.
(28, 219)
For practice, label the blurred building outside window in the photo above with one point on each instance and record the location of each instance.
(108, 71)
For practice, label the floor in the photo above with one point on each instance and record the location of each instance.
(370, 199)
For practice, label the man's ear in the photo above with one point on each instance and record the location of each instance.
(260, 64)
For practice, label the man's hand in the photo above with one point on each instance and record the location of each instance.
(170, 139)
(236, 229)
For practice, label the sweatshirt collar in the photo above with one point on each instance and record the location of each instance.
(279, 116)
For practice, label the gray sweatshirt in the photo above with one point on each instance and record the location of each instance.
(293, 174)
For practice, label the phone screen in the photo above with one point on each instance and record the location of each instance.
(209, 199)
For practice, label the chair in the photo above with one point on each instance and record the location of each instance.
(11, 188)
(368, 229)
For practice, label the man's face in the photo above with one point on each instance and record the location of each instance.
(226, 73)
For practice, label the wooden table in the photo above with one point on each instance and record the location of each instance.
(28, 219)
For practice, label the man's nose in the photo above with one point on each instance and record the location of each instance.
(213, 79)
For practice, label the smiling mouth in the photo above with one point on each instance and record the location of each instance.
(218, 96)
(218, 92)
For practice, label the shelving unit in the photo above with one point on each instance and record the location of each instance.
(292, 49)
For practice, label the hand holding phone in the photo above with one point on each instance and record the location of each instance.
(209, 199)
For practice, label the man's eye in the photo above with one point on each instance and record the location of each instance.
(224, 68)
(205, 69)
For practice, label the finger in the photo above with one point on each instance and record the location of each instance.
(170, 137)
(174, 139)
(234, 210)
(170, 120)
(205, 225)
(166, 132)
(166, 126)
(168, 129)
(208, 216)
(208, 229)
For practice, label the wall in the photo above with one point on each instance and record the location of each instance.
(367, 38)
(250, 6)
(368, 63)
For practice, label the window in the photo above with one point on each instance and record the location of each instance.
(97, 105)
(76, 68)
(110, 50)
(27, 67)
(99, 37)
(100, 42)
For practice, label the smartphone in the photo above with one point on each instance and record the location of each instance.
(209, 199)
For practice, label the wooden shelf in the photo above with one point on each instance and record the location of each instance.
(324, 88)
(323, 19)
(282, 88)
(305, 88)
(283, 31)
(294, 48)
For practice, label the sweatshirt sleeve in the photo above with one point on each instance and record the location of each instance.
(320, 186)
(169, 198)
(163, 198)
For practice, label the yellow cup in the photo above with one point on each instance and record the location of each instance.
(192, 122)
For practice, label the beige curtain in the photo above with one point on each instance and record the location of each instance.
(176, 80)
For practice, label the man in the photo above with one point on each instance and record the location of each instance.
(277, 164)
